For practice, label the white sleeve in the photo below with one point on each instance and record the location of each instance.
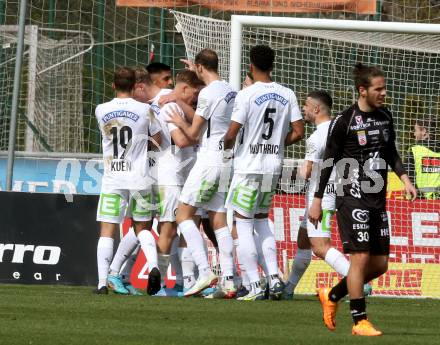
(205, 103)
(165, 115)
(295, 112)
(153, 124)
(313, 153)
(240, 111)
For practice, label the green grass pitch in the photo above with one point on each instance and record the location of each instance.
(73, 315)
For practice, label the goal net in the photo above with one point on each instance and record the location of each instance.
(50, 108)
(319, 59)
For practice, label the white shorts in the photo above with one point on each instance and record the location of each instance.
(251, 194)
(206, 188)
(323, 228)
(168, 201)
(116, 204)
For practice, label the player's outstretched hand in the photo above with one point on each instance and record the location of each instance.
(175, 118)
(315, 212)
(171, 97)
(410, 190)
(189, 64)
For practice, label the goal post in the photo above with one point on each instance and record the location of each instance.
(320, 54)
(50, 101)
(240, 21)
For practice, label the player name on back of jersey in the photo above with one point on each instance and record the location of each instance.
(117, 165)
(267, 149)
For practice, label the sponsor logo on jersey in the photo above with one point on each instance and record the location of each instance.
(431, 165)
(120, 113)
(230, 96)
(375, 132)
(359, 120)
(267, 149)
(156, 109)
(361, 126)
(362, 138)
(361, 216)
(42, 255)
(385, 232)
(381, 123)
(271, 96)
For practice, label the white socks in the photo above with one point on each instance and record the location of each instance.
(129, 263)
(188, 267)
(126, 246)
(337, 261)
(195, 243)
(163, 262)
(104, 253)
(175, 262)
(225, 245)
(247, 249)
(300, 264)
(148, 245)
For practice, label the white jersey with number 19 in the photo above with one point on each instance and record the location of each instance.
(125, 124)
(265, 110)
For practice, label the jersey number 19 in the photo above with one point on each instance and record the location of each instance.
(122, 138)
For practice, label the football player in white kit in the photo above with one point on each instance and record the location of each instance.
(145, 91)
(271, 119)
(207, 182)
(126, 130)
(317, 111)
(177, 156)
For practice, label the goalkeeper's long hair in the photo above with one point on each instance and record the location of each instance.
(362, 75)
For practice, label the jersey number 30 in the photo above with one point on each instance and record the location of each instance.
(269, 120)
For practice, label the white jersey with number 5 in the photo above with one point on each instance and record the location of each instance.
(265, 110)
(124, 125)
(215, 105)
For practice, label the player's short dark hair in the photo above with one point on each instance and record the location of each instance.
(208, 58)
(124, 79)
(142, 76)
(362, 75)
(426, 121)
(262, 57)
(322, 96)
(189, 77)
(157, 67)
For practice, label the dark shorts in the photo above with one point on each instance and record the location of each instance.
(362, 229)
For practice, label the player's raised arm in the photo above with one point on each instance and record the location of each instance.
(296, 123)
(296, 132)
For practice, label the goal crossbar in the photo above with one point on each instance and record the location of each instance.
(240, 21)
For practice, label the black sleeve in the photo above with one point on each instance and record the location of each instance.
(410, 166)
(334, 148)
(392, 157)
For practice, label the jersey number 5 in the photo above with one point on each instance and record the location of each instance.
(124, 137)
(269, 120)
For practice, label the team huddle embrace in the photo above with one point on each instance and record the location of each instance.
(187, 156)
